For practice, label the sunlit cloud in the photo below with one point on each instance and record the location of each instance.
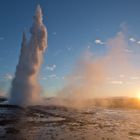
(132, 39)
(98, 41)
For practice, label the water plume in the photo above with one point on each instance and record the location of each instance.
(25, 88)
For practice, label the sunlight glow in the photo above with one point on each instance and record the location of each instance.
(138, 95)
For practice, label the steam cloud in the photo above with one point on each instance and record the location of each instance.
(88, 80)
(25, 88)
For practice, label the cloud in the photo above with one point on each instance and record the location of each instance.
(51, 67)
(132, 39)
(98, 41)
(8, 76)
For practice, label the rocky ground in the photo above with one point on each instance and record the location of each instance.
(63, 123)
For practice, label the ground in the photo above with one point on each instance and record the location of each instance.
(64, 123)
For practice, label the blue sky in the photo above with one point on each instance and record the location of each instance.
(73, 26)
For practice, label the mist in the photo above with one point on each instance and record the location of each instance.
(92, 77)
(25, 89)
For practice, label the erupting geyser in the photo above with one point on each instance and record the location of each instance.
(25, 88)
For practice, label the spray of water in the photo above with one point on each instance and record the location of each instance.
(25, 88)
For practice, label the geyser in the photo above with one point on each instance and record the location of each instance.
(25, 88)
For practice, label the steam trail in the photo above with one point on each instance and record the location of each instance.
(25, 87)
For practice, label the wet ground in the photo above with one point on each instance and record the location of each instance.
(63, 123)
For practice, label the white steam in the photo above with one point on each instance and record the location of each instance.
(25, 87)
(89, 78)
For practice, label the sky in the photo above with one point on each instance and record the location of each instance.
(74, 26)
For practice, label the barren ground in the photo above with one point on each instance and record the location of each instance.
(61, 123)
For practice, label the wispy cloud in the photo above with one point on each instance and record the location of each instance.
(98, 41)
(132, 39)
(50, 67)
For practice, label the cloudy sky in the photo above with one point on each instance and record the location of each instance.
(74, 27)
